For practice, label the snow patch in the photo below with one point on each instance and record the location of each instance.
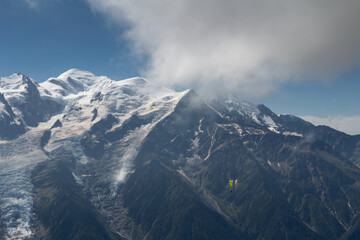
(215, 111)
(269, 122)
(183, 174)
(292, 134)
(77, 179)
(195, 142)
(195, 160)
(273, 129)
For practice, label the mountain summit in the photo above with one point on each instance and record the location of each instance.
(87, 157)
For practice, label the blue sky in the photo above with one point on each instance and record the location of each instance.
(42, 39)
(48, 39)
(339, 96)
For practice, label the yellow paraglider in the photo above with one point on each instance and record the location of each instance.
(231, 182)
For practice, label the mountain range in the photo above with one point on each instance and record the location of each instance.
(87, 157)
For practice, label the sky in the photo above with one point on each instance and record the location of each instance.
(297, 57)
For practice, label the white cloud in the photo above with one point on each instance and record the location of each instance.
(347, 124)
(248, 46)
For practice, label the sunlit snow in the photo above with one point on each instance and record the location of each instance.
(81, 93)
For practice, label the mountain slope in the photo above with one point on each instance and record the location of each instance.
(63, 212)
(211, 162)
(133, 160)
(286, 124)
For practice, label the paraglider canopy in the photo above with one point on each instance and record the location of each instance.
(231, 183)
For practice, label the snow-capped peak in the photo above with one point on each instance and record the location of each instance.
(85, 77)
(82, 100)
(254, 112)
(247, 109)
(74, 81)
(13, 82)
(137, 80)
(76, 74)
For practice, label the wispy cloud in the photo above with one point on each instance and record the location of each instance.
(34, 4)
(347, 124)
(243, 45)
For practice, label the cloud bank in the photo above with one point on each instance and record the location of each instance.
(347, 124)
(242, 45)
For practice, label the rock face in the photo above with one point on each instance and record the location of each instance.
(133, 160)
(21, 95)
(36, 109)
(10, 125)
